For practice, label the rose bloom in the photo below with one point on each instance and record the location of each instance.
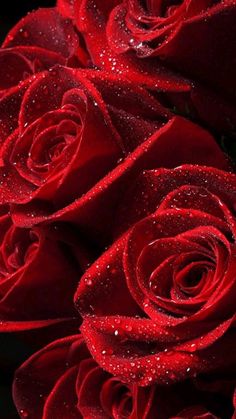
(90, 18)
(39, 41)
(159, 304)
(155, 43)
(63, 381)
(39, 271)
(174, 30)
(72, 140)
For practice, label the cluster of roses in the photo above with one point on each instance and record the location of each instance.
(118, 207)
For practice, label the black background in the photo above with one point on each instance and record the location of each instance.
(13, 351)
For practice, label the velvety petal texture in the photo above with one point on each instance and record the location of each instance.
(173, 30)
(93, 392)
(155, 44)
(39, 41)
(78, 136)
(118, 210)
(39, 270)
(158, 305)
(63, 381)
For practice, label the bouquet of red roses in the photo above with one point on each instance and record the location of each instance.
(118, 208)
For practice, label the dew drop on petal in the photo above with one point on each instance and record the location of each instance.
(24, 414)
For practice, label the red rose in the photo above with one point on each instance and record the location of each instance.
(174, 30)
(39, 270)
(162, 298)
(63, 381)
(155, 44)
(66, 133)
(90, 18)
(60, 136)
(39, 41)
(118, 209)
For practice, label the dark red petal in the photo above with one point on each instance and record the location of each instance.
(62, 400)
(197, 412)
(47, 294)
(89, 403)
(154, 186)
(127, 350)
(40, 58)
(179, 141)
(103, 290)
(213, 35)
(14, 68)
(90, 14)
(44, 28)
(195, 197)
(213, 109)
(35, 379)
(10, 105)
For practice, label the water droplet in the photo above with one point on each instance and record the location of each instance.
(24, 414)
(88, 281)
(129, 328)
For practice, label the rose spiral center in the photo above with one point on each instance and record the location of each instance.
(119, 403)
(160, 8)
(17, 248)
